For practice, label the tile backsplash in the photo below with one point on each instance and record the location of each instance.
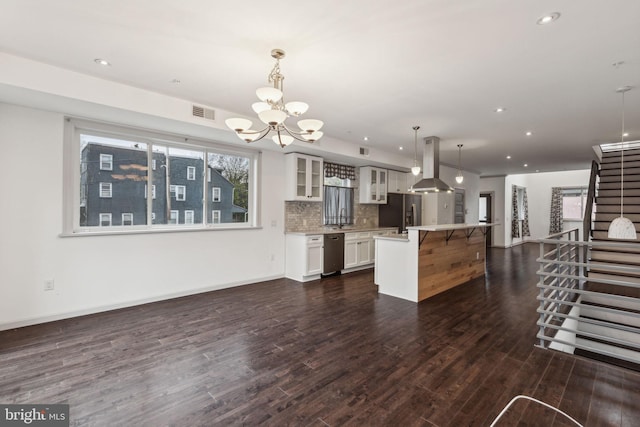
(303, 216)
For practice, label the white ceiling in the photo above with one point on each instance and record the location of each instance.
(372, 68)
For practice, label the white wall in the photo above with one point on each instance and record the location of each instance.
(538, 187)
(92, 273)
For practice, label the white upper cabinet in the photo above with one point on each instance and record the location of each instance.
(397, 182)
(304, 177)
(373, 185)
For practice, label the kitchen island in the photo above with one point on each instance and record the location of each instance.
(429, 260)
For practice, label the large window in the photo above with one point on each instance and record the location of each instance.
(573, 203)
(188, 180)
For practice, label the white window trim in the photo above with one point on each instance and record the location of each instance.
(108, 159)
(215, 190)
(107, 185)
(123, 216)
(191, 173)
(177, 216)
(181, 196)
(74, 127)
(189, 217)
(213, 216)
(100, 219)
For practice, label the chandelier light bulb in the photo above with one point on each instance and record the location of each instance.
(459, 179)
(282, 140)
(313, 136)
(272, 117)
(296, 108)
(249, 136)
(415, 170)
(269, 94)
(310, 125)
(259, 107)
(238, 125)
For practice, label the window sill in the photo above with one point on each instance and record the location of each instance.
(86, 233)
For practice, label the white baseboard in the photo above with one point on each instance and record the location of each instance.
(99, 309)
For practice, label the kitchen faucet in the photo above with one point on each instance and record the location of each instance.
(340, 217)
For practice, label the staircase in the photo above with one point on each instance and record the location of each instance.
(612, 305)
(589, 298)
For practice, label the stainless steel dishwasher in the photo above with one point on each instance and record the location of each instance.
(333, 253)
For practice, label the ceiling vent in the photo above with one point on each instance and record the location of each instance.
(205, 113)
(364, 151)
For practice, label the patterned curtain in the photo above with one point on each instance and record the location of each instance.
(525, 208)
(555, 220)
(515, 228)
(341, 171)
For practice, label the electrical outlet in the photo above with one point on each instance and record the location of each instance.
(48, 285)
(477, 255)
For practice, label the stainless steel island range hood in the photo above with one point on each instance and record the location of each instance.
(431, 182)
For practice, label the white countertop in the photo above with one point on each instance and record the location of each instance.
(443, 227)
(331, 230)
(396, 237)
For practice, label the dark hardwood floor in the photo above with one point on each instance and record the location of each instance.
(330, 352)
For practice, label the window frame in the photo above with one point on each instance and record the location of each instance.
(122, 219)
(75, 127)
(109, 214)
(213, 216)
(191, 173)
(189, 213)
(108, 185)
(215, 199)
(110, 162)
(566, 191)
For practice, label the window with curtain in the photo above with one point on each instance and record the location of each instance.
(519, 212)
(338, 200)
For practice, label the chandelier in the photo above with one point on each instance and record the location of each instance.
(273, 111)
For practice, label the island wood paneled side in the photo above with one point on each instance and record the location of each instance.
(443, 265)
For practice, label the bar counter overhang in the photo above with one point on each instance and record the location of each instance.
(430, 259)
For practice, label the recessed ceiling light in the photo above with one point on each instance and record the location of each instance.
(547, 19)
(529, 133)
(500, 110)
(401, 148)
(102, 62)
(508, 157)
(625, 134)
(366, 138)
(526, 165)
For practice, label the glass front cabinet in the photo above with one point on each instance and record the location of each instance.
(373, 185)
(304, 177)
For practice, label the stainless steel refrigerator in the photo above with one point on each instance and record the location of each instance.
(401, 210)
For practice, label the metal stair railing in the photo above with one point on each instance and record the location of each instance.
(562, 295)
(587, 222)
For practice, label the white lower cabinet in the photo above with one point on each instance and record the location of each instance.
(305, 253)
(314, 255)
(357, 249)
(303, 257)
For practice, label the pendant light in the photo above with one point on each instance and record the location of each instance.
(621, 227)
(416, 168)
(459, 177)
